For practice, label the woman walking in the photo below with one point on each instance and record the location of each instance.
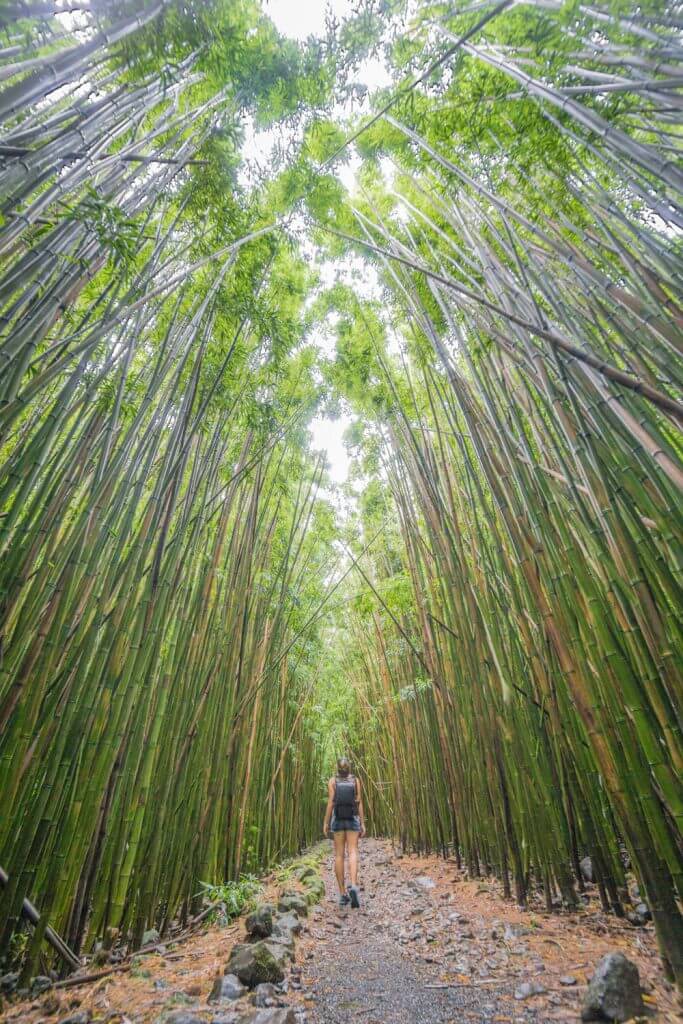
(345, 819)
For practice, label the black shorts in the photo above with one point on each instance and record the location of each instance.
(350, 825)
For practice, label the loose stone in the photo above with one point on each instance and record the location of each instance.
(613, 991)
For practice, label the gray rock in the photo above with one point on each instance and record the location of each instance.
(586, 866)
(528, 989)
(425, 882)
(260, 924)
(225, 988)
(635, 919)
(266, 995)
(180, 1017)
(644, 911)
(567, 979)
(287, 924)
(613, 991)
(293, 901)
(8, 982)
(514, 931)
(82, 1017)
(150, 937)
(269, 1017)
(160, 984)
(257, 962)
(285, 939)
(39, 984)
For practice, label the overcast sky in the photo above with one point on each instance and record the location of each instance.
(302, 18)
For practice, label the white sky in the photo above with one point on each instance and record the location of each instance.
(300, 19)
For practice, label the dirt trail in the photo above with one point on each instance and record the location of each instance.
(423, 925)
(428, 946)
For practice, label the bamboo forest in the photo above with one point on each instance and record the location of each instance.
(450, 234)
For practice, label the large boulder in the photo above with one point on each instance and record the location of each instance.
(614, 991)
(256, 962)
(293, 901)
(226, 988)
(260, 924)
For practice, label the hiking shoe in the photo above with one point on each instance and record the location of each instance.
(354, 896)
(344, 900)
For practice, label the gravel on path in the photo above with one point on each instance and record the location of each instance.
(383, 964)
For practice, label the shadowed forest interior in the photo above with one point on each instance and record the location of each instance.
(449, 231)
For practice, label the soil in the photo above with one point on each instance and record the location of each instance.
(428, 946)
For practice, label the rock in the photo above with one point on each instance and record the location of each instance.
(306, 872)
(286, 923)
(285, 940)
(266, 995)
(425, 882)
(514, 931)
(150, 937)
(40, 983)
(83, 1017)
(260, 924)
(160, 984)
(293, 901)
(528, 989)
(586, 866)
(643, 911)
(226, 987)
(8, 982)
(315, 890)
(613, 991)
(567, 979)
(269, 1017)
(180, 1017)
(257, 962)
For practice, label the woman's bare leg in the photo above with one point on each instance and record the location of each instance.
(352, 844)
(339, 843)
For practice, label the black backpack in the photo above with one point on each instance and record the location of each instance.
(345, 808)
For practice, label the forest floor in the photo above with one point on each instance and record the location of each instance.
(428, 946)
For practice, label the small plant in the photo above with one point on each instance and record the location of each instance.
(236, 897)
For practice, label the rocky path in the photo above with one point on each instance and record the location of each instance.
(428, 946)
(386, 963)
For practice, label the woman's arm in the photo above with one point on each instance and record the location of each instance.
(361, 812)
(329, 808)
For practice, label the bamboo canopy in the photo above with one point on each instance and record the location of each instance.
(189, 629)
